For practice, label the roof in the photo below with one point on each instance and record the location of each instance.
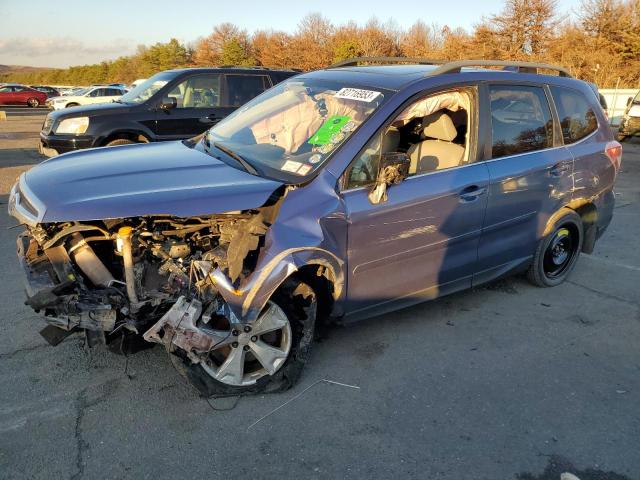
(397, 76)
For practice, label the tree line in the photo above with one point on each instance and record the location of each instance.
(600, 43)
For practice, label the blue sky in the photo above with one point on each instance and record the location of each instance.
(72, 32)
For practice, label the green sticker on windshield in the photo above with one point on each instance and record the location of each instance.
(328, 129)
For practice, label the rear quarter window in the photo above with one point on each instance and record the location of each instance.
(520, 120)
(577, 118)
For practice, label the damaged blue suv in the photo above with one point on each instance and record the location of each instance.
(337, 194)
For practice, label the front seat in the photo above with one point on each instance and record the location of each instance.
(438, 152)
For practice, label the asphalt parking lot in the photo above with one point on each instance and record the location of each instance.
(508, 381)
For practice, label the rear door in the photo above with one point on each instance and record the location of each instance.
(593, 171)
(531, 175)
(198, 107)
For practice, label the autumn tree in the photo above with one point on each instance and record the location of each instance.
(273, 49)
(524, 28)
(312, 42)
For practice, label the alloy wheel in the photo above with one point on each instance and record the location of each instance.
(250, 352)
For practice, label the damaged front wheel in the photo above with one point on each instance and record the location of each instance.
(265, 356)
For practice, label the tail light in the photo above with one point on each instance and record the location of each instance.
(613, 150)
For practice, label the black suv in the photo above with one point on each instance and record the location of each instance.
(171, 105)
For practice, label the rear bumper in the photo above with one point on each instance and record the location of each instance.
(52, 145)
(605, 206)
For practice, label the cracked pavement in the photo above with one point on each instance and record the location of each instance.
(504, 382)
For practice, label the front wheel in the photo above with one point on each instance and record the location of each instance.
(119, 141)
(558, 251)
(268, 355)
(69, 105)
(33, 102)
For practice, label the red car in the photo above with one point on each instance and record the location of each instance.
(21, 95)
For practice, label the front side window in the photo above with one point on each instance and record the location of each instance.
(200, 91)
(148, 88)
(577, 118)
(433, 132)
(290, 130)
(242, 88)
(6, 89)
(520, 120)
(94, 93)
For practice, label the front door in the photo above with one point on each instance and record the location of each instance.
(198, 108)
(421, 242)
(531, 178)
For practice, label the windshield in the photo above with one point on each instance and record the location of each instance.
(81, 91)
(148, 88)
(289, 131)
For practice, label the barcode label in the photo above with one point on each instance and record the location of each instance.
(357, 94)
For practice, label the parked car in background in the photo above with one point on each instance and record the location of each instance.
(630, 123)
(87, 96)
(50, 91)
(14, 94)
(71, 91)
(171, 105)
(341, 193)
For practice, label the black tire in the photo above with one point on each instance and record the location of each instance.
(299, 302)
(33, 102)
(119, 141)
(558, 251)
(69, 105)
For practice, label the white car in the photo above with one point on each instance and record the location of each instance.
(87, 96)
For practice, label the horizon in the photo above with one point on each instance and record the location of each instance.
(60, 41)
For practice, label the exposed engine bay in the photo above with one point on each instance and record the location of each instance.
(158, 277)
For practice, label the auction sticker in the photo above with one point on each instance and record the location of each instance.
(357, 94)
(290, 166)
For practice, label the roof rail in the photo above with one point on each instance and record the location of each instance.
(352, 62)
(521, 67)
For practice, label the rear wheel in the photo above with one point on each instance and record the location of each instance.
(119, 141)
(33, 102)
(265, 356)
(557, 252)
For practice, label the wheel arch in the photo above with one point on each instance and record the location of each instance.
(126, 134)
(320, 267)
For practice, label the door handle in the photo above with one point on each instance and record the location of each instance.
(210, 119)
(559, 169)
(471, 193)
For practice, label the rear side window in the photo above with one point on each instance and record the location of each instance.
(242, 88)
(520, 120)
(577, 118)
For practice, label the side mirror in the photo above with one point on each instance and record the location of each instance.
(168, 103)
(393, 169)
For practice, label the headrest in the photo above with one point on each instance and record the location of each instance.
(439, 126)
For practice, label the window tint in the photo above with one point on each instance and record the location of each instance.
(112, 92)
(94, 93)
(520, 120)
(577, 118)
(242, 88)
(19, 89)
(201, 91)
